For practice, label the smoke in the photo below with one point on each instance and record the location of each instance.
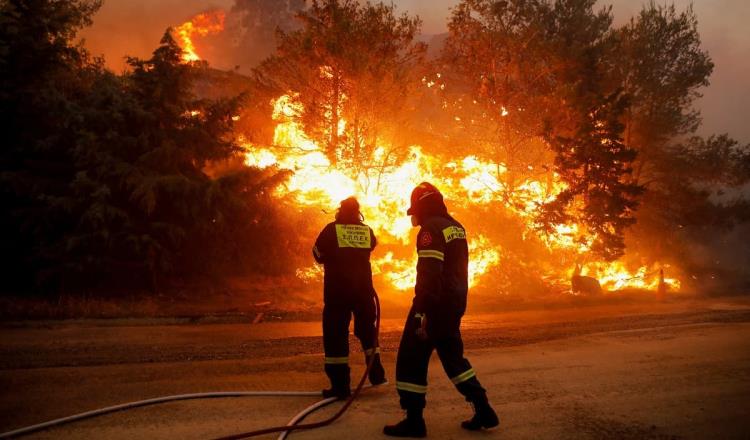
(251, 30)
(134, 28)
(723, 28)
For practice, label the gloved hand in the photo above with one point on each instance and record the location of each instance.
(422, 329)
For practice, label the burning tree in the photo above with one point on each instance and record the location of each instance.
(543, 124)
(519, 84)
(595, 164)
(693, 185)
(497, 85)
(536, 85)
(206, 23)
(353, 69)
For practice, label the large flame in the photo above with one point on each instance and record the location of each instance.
(316, 182)
(383, 195)
(206, 23)
(615, 276)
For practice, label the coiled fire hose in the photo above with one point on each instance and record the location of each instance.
(285, 430)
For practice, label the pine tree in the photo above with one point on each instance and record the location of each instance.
(151, 208)
(596, 166)
(43, 73)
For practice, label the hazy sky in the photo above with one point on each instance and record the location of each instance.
(133, 27)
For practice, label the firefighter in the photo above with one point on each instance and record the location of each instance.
(435, 317)
(344, 247)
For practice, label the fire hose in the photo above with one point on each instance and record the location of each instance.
(284, 430)
(333, 418)
(147, 402)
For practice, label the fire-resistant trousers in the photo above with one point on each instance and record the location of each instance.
(336, 318)
(414, 357)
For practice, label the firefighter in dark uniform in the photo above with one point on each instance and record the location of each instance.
(344, 247)
(435, 317)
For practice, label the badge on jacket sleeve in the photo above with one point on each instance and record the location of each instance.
(425, 239)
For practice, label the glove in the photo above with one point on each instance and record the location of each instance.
(422, 329)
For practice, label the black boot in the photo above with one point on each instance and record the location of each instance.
(338, 374)
(412, 426)
(484, 416)
(377, 372)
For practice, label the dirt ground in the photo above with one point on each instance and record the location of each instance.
(653, 371)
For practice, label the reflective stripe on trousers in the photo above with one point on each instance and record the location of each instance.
(463, 377)
(337, 360)
(412, 387)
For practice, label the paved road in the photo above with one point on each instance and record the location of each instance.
(679, 370)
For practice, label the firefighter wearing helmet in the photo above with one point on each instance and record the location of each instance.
(344, 247)
(435, 317)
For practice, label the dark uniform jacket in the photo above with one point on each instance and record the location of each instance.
(442, 270)
(344, 250)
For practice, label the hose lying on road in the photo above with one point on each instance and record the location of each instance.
(154, 401)
(285, 430)
(290, 427)
(304, 413)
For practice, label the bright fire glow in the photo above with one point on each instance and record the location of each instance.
(206, 23)
(383, 195)
(616, 276)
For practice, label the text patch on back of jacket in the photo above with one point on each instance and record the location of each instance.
(353, 236)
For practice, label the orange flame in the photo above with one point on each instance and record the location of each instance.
(206, 23)
(615, 276)
(467, 182)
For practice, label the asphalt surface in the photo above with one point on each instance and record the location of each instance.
(677, 370)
